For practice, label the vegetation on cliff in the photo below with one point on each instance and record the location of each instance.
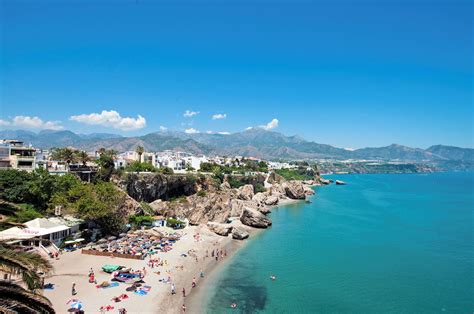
(29, 195)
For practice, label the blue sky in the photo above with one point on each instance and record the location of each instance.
(346, 73)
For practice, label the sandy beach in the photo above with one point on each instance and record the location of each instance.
(73, 267)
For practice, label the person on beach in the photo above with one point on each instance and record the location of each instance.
(194, 282)
(183, 308)
(201, 274)
(184, 292)
(73, 290)
(173, 289)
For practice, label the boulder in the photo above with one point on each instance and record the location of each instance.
(260, 198)
(308, 190)
(271, 200)
(246, 192)
(220, 229)
(239, 233)
(225, 186)
(254, 218)
(264, 209)
(295, 190)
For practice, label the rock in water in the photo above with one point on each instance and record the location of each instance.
(295, 190)
(239, 233)
(220, 229)
(254, 218)
(246, 192)
(340, 182)
(308, 190)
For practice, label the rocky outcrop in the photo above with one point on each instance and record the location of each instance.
(128, 206)
(150, 187)
(254, 218)
(340, 182)
(308, 190)
(239, 233)
(271, 200)
(294, 190)
(260, 198)
(246, 192)
(220, 229)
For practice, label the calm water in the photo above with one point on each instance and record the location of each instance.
(381, 244)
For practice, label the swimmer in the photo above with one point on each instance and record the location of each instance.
(273, 277)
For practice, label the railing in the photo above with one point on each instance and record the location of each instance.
(45, 249)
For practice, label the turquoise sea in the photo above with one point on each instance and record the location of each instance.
(380, 244)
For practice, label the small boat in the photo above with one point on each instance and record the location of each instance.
(340, 182)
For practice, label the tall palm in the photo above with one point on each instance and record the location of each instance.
(140, 150)
(26, 265)
(66, 154)
(82, 157)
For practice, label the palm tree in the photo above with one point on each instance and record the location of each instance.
(140, 151)
(82, 157)
(65, 154)
(26, 265)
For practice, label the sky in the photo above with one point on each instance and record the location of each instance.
(347, 73)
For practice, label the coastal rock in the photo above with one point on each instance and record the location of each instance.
(260, 198)
(294, 190)
(309, 182)
(340, 182)
(264, 209)
(254, 218)
(308, 190)
(246, 192)
(225, 186)
(239, 233)
(220, 229)
(324, 181)
(271, 200)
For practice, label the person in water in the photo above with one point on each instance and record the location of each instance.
(273, 277)
(233, 305)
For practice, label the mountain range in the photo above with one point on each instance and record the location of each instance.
(255, 142)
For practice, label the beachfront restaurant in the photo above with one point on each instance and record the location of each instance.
(37, 232)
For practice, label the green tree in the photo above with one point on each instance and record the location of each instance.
(106, 164)
(82, 157)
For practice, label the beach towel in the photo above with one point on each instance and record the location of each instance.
(141, 292)
(113, 284)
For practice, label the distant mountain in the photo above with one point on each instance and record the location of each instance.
(395, 152)
(255, 142)
(452, 152)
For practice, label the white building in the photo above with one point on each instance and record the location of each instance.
(15, 155)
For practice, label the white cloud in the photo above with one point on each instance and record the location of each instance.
(163, 128)
(209, 132)
(219, 116)
(223, 133)
(4, 122)
(270, 125)
(189, 113)
(248, 128)
(111, 119)
(191, 131)
(34, 123)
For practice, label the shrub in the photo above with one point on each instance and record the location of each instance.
(201, 193)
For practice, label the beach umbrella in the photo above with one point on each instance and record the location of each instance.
(102, 241)
(111, 238)
(80, 240)
(122, 235)
(70, 242)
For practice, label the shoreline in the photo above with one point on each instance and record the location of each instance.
(199, 301)
(74, 267)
